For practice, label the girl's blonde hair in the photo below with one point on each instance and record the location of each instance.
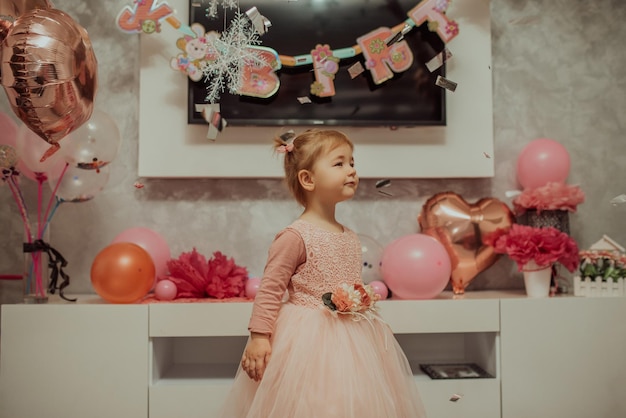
(303, 152)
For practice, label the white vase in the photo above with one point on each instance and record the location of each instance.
(537, 280)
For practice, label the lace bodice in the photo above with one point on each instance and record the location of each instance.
(332, 258)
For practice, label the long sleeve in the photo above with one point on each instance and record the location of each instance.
(286, 253)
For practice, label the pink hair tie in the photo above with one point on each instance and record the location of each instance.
(285, 148)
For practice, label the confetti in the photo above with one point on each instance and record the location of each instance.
(383, 183)
(398, 36)
(486, 155)
(455, 397)
(138, 185)
(355, 69)
(445, 83)
(304, 100)
(512, 193)
(260, 22)
(384, 193)
(213, 117)
(618, 200)
(439, 60)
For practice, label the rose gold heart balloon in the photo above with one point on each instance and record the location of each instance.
(48, 70)
(464, 230)
(12, 9)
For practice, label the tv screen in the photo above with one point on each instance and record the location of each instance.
(409, 98)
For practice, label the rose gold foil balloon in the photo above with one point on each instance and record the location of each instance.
(12, 9)
(48, 70)
(464, 231)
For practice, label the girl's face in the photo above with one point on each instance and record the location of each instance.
(335, 176)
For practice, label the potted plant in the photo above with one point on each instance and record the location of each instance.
(602, 273)
(536, 250)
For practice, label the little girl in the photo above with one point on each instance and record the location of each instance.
(305, 359)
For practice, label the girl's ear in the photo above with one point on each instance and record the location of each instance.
(306, 180)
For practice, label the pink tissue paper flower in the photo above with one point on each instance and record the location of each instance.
(552, 196)
(195, 277)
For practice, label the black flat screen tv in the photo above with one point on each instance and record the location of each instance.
(410, 98)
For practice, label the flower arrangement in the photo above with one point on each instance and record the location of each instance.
(544, 246)
(552, 196)
(608, 265)
(351, 299)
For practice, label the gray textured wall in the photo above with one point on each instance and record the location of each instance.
(558, 72)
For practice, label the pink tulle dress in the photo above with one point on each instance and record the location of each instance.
(324, 365)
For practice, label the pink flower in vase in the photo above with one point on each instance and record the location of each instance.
(544, 246)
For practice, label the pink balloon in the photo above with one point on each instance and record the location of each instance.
(542, 161)
(416, 266)
(150, 241)
(252, 287)
(380, 289)
(165, 290)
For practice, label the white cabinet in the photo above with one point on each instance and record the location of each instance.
(563, 357)
(549, 357)
(74, 361)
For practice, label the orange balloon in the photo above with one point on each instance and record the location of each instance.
(122, 273)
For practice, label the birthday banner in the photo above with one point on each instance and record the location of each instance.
(237, 56)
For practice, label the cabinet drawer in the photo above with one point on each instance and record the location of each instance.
(199, 319)
(188, 401)
(479, 398)
(445, 316)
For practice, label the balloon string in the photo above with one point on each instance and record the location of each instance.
(40, 179)
(37, 256)
(48, 216)
(21, 204)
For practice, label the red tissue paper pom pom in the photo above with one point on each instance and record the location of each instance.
(195, 277)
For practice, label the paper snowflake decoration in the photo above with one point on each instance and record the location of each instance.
(233, 54)
(211, 11)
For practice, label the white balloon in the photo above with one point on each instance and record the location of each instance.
(372, 253)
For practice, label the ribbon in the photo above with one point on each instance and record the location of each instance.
(56, 263)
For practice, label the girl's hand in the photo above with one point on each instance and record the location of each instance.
(256, 355)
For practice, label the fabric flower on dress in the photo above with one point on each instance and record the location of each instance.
(351, 299)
